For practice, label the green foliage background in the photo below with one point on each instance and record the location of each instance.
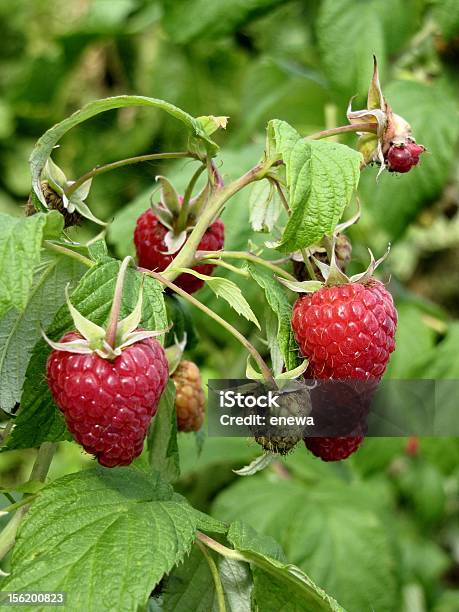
(382, 530)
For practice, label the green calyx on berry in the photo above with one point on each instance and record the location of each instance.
(333, 275)
(391, 129)
(179, 214)
(55, 177)
(107, 342)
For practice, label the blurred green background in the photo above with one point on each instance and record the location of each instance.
(381, 531)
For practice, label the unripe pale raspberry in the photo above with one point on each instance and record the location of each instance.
(108, 404)
(152, 251)
(190, 400)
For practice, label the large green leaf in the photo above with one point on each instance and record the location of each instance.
(20, 244)
(48, 141)
(105, 537)
(396, 200)
(273, 576)
(349, 33)
(39, 420)
(19, 331)
(321, 178)
(186, 20)
(325, 530)
(447, 15)
(280, 305)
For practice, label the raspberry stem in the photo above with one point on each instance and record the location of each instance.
(266, 372)
(216, 577)
(58, 248)
(204, 255)
(110, 336)
(120, 163)
(342, 129)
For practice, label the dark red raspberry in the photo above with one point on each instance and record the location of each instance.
(333, 449)
(150, 247)
(346, 331)
(401, 158)
(108, 405)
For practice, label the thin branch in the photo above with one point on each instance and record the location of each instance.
(281, 193)
(215, 575)
(267, 374)
(307, 263)
(204, 255)
(220, 548)
(123, 162)
(352, 127)
(58, 248)
(224, 264)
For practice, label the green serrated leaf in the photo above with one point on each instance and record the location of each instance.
(20, 244)
(162, 439)
(19, 331)
(98, 250)
(321, 179)
(48, 141)
(272, 575)
(279, 304)
(39, 420)
(105, 537)
(229, 291)
(328, 534)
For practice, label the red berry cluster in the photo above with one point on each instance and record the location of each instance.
(346, 332)
(152, 251)
(108, 405)
(402, 157)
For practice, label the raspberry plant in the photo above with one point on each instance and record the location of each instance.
(113, 537)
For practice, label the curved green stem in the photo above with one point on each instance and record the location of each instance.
(220, 548)
(123, 162)
(204, 255)
(183, 214)
(216, 577)
(39, 471)
(267, 374)
(224, 264)
(58, 248)
(342, 129)
(308, 265)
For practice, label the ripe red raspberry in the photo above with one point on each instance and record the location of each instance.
(401, 158)
(333, 449)
(189, 397)
(108, 405)
(346, 331)
(151, 250)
